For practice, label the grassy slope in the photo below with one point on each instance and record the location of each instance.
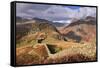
(71, 52)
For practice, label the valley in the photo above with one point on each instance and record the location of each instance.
(41, 41)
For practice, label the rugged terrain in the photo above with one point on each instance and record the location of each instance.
(39, 41)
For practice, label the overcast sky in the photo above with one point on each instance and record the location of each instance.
(53, 12)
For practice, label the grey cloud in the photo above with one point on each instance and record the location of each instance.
(53, 12)
(30, 8)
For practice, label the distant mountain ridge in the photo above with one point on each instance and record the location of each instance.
(80, 30)
(88, 20)
(40, 20)
(23, 20)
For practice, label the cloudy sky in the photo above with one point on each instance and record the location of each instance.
(53, 12)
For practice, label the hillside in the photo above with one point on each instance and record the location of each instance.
(31, 30)
(38, 41)
(81, 30)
